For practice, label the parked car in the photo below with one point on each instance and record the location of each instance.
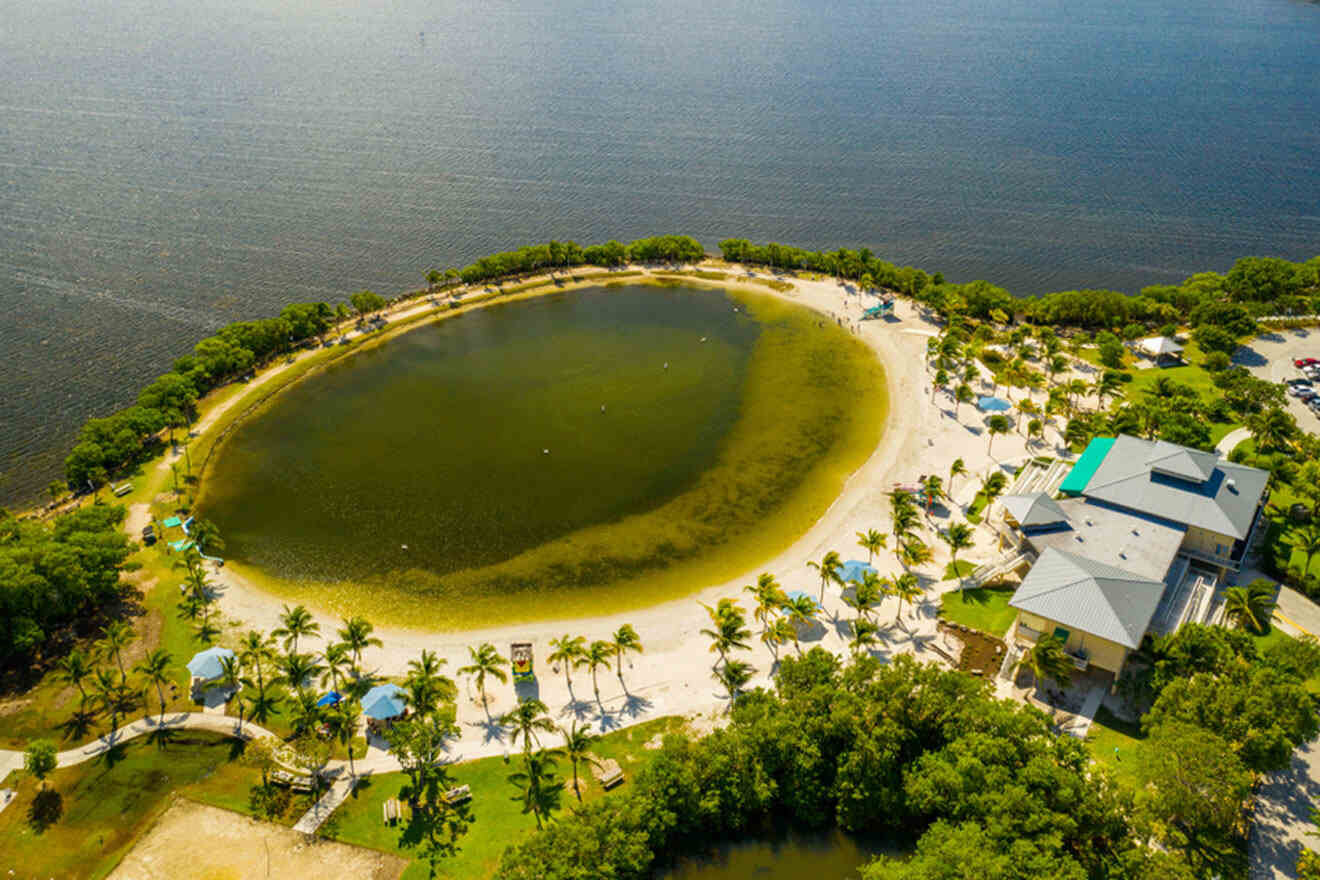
(1301, 391)
(1298, 381)
(1305, 362)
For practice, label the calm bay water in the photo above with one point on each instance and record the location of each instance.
(165, 167)
(830, 855)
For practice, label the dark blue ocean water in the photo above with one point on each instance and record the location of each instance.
(167, 166)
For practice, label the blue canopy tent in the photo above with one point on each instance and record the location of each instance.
(854, 569)
(208, 665)
(383, 702)
(330, 699)
(993, 404)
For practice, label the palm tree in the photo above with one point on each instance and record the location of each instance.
(996, 425)
(116, 636)
(908, 589)
(957, 469)
(599, 653)
(540, 789)
(959, 536)
(870, 592)
(485, 661)
(304, 713)
(205, 536)
(1272, 429)
(914, 553)
(1025, 406)
(1106, 386)
(1308, 541)
(231, 676)
(337, 663)
(734, 675)
(1035, 431)
(344, 720)
(872, 540)
(1048, 661)
(1250, 607)
(578, 742)
(769, 598)
(74, 668)
(932, 486)
(828, 568)
(426, 687)
(295, 623)
(155, 668)
(962, 394)
(729, 628)
(112, 693)
(524, 720)
(296, 669)
(779, 632)
(800, 609)
(357, 636)
(255, 650)
(625, 638)
(569, 652)
(864, 632)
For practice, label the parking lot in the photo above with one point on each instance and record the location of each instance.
(1272, 356)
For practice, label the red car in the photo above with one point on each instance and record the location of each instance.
(1305, 362)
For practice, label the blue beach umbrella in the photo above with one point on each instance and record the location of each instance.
(383, 702)
(854, 570)
(330, 699)
(207, 665)
(993, 404)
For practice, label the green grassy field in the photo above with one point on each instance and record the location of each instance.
(984, 608)
(1117, 744)
(497, 818)
(104, 805)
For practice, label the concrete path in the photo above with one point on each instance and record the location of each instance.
(1081, 725)
(1230, 440)
(1281, 821)
(329, 802)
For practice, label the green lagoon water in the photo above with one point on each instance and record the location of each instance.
(579, 451)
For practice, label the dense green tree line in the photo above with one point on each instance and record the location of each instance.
(106, 446)
(564, 255)
(52, 574)
(903, 749)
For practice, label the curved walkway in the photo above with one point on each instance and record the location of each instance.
(221, 724)
(1229, 441)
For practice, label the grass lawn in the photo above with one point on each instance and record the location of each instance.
(963, 568)
(1116, 744)
(497, 818)
(105, 805)
(984, 608)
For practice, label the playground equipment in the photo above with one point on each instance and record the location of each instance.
(883, 309)
(520, 654)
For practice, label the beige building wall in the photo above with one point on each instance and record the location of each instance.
(1207, 542)
(1101, 652)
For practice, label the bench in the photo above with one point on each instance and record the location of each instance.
(391, 810)
(609, 773)
(456, 796)
(294, 783)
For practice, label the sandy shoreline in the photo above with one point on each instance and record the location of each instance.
(673, 676)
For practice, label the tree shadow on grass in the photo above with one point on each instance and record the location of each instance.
(78, 725)
(45, 810)
(113, 755)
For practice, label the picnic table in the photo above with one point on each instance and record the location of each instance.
(458, 795)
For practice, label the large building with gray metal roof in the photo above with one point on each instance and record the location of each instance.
(1141, 541)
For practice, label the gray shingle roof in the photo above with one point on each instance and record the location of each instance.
(1089, 596)
(1034, 509)
(1178, 484)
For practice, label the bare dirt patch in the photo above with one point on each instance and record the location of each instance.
(193, 840)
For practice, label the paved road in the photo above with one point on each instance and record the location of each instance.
(1281, 821)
